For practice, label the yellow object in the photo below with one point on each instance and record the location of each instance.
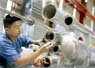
(92, 43)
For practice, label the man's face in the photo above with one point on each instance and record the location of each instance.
(15, 29)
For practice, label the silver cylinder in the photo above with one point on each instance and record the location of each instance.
(53, 61)
(56, 39)
(63, 18)
(74, 51)
(16, 14)
(53, 14)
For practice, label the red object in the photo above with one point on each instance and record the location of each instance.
(19, 4)
(81, 9)
(82, 16)
(66, 1)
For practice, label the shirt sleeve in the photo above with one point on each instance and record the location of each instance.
(25, 41)
(9, 53)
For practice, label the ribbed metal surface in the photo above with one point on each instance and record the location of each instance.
(3, 4)
(37, 8)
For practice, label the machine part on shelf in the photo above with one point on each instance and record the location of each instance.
(55, 38)
(18, 15)
(68, 21)
(52, 61)
(74, 50)
(48, 61)
(51, 13)
(55, 48)
(52, 36)
(71, 22)
(63, 18)
(30, 21)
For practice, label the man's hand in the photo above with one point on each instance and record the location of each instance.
(45, 47)
(39, 62)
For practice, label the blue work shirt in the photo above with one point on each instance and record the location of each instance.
(10, 51)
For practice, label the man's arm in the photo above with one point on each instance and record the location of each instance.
(27, 59)
(30, 58)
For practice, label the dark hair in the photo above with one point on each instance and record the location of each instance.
(9, 20)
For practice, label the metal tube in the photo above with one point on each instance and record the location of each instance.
(16, 14)
(76, 52)
(52, 60)
(51, 13)
(63, 18)
(24, 18)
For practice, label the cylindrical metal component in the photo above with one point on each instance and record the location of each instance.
(63, 18)
(55, 38)
(52, 61)
(68, 21)
(29, 20)
(51, 13)
(73, 50)
(55, 48)
(18, 15)
(52, 36)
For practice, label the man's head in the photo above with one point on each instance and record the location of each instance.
(12, 25)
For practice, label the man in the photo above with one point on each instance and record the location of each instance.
(12, 41)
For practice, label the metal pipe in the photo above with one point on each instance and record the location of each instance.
(53, 61)
(63, 18)
(24, 18)
(55, 38)
(71, 22)
(16, 14)
(76, 52)
(50, 12)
